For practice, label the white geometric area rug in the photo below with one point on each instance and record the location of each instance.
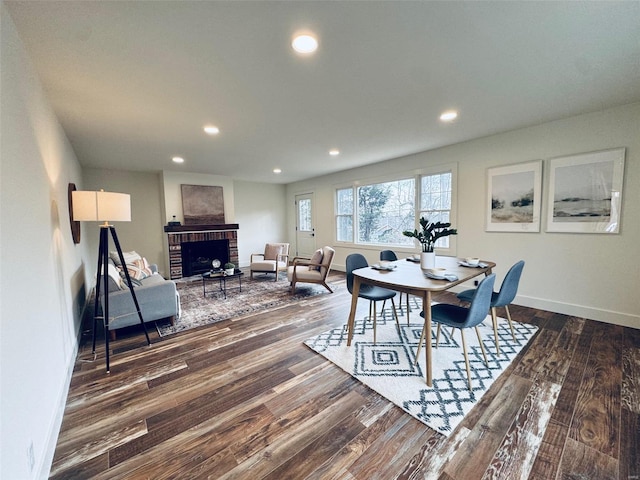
(388, 366)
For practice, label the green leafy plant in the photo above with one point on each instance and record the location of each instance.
(229, 265)
(430, 232)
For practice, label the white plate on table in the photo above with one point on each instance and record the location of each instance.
(388, 268)
(447, 276)
(479, 265)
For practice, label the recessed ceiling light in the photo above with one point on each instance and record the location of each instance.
(449, 116)
(211, 130)
(334, 152)
(178, 159)
(304, 43)
(277, 170)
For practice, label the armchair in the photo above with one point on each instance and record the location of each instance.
(275, 259)
(311, 270)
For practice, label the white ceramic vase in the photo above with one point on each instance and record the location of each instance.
(229, 271)
(427, 260)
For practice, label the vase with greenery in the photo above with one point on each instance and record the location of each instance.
(229, 268)
(430, 232)
(428, 235)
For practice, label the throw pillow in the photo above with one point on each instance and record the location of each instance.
(272, 251)
(316, 258)
(129, 257)
(139, 269)
(114, 275)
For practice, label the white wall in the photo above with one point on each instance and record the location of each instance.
(586, 275)
(42, 274)
(144, 233)
(261, 214)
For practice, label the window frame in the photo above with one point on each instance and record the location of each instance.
(416, 175)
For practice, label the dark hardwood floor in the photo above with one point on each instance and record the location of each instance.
(245, 399)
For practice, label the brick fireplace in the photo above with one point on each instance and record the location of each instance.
(186, 257)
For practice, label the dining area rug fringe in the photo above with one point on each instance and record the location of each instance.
(388, 367)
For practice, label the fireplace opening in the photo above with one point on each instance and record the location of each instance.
(197, 256)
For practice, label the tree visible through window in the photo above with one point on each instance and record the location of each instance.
(378, 213)
(385, 210)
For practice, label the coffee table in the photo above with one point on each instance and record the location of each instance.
(222, 278)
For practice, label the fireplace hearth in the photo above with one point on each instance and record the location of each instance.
(184, 244)
(197, 256)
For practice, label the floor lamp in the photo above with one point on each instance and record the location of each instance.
(105, 207)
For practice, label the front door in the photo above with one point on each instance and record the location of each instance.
(305, 232)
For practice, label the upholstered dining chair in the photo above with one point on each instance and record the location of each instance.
(275, 259)
(391, 256)
(311, 270)
(461, 317)
(503, 298)
(369, 292)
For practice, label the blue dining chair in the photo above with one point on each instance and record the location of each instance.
(369, 292)
(503, 298)
(391, 256)
(462, 317)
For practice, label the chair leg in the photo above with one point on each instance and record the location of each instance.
(513, 334)
(374, 321)
(495, 328)
(438, 336)
(395, 313)
(481, 346)
(466, 358)
(406, 296)
(422, 337)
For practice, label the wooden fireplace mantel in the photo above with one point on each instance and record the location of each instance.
(200, 228)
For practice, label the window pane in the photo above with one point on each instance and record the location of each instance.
(385, 210)
(435, 201)
(304, 215)
(344, 201)
(344, 228)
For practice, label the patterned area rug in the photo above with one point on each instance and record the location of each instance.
(388, 367)
(261, 293)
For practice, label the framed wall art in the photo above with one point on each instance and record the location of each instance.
(202, 205)
(514, 197)
(585, 192)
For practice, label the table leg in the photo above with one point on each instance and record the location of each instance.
(426, 308)
(352, 312)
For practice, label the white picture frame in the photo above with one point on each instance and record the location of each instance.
(585, 192)
(514, 195)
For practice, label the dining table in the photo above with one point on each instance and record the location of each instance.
(406, 276)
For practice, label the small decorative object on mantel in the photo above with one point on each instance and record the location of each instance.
(174, 223)
(428, 236)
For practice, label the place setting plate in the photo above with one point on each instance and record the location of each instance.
(385, 268)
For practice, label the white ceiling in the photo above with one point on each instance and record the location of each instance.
(133, 83)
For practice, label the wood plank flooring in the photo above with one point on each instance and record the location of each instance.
(245, 399)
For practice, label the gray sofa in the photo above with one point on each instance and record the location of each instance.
(158, 299)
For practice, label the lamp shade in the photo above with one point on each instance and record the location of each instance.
(101, 206)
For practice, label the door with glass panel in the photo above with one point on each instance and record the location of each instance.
(305, 232)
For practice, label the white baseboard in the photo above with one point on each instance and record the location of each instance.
(581, 311)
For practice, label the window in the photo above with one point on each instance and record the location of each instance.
(344, 215)
(378, 213)
(385, 210)
(435, 201)
(304, 215)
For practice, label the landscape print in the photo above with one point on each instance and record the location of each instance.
(514, 198)
(583, 193)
